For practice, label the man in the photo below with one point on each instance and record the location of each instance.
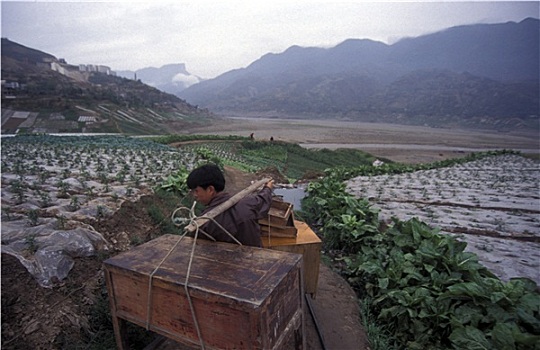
(241, 220)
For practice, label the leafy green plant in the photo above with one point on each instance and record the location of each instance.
(7, 211)
(19, 188)
(45, 199)
(291, 160)
(63, 188)
(33, 217)
(100, 212)
(176, 182)
(379, 336)
(61, 221)
(135, 240)
(31, 243)
(74, 204)
(425, 289)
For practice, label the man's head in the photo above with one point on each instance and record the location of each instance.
(205, 182)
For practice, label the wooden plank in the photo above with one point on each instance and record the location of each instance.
(278, 231)
(119, 326)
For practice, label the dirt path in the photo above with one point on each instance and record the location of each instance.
(335, 306)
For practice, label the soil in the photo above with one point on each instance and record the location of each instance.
(62, 317)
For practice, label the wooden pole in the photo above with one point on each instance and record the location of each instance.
(226, 205)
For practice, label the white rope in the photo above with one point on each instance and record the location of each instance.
(269, 228)
(191, 307)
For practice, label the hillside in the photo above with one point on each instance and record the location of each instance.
(43, 94)
(475, 76)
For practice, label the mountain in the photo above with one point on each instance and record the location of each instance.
(505, 51)
(43, 94)
(171, 78)
(481, 75)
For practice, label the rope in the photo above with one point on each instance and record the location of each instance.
(191, 307)
(193, 220)
(149, 303)
(269, 228)
(178, 222)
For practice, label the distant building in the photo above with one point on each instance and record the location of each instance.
(96, 68)
(104, 69)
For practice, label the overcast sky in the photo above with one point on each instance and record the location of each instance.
(214, 37)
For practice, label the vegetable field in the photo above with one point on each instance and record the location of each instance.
(52, 185)
(424, 287)
(293, 161)
(381, 225)
(493, 204)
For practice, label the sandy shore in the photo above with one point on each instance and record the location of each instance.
(401, 143)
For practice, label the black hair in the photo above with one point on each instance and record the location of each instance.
(206, 175)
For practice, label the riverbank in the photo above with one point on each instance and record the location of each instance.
(399, 143)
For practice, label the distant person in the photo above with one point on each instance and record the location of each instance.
(242, 219)
(251, 136)
(271, 138)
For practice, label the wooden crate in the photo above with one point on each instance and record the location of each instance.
(280, 220)
(243, 297)
(306, 243)
(289, 231)
(279, 214)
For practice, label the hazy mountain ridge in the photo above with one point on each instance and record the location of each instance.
(486, 73)
(170, 78)
(505, 51)
(49, 101)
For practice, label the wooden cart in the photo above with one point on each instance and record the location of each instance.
(242, 297)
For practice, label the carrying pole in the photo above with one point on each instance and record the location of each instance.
(197, 222)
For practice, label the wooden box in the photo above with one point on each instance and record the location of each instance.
(280, 220)
(243, 297)
(307, 243)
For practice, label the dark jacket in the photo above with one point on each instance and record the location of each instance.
(241, 220)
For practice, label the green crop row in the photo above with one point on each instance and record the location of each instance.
(291, 160)
(168, 139)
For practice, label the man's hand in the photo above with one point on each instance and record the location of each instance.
(269, 184)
